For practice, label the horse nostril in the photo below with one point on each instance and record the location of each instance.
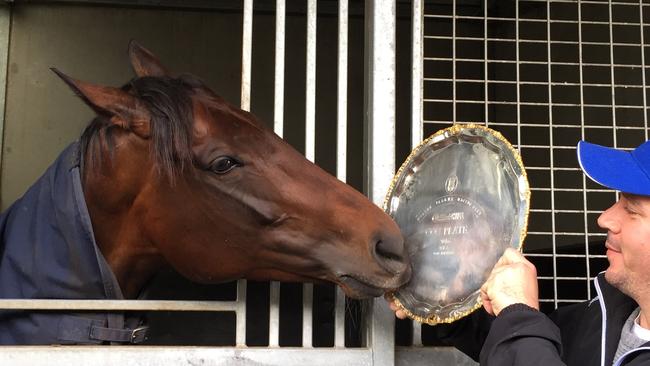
(390, 254)
(383, 251)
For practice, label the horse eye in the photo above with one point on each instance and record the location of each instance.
(224, 164)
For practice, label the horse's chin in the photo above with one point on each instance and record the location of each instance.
(357, 289)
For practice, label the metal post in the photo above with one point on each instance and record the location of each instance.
(380, 148)
(247, 39)
(341, 146)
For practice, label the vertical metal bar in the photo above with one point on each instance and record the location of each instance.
(342, 92)
(550, 127)
(5, 29)
(379, 99)
(310, 147)
(280, 26)
(310, 97)
(278, 127)
(240, 333)
(485, 63)
(645, 97)
(341, 147)
(585, 217)
(274, 314)
(611, 68)
(339, 318)
(247, 36)
(453, 61)
(518, 106)
(307, 314)
(417, 33)
(380, 148)
(417, 36)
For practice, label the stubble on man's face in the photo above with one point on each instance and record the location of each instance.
(628, 245)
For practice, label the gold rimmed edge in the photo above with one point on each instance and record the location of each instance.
(454, 130)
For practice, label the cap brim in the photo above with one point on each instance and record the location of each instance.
(612, 168)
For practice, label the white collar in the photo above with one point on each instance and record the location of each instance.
(639, 331)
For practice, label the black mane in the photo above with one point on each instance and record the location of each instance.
(169, 102)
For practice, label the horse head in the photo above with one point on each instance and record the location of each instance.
(173, 174)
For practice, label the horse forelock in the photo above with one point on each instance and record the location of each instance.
(170, 105)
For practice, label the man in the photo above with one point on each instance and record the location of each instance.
(611, 329)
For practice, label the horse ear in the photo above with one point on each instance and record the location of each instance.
(144, 62)
(124, 109)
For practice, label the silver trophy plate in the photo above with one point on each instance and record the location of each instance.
(460, 199)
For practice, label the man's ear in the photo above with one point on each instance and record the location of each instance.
(144, 62)
(124, 109)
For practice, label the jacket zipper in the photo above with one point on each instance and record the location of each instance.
(603, 326)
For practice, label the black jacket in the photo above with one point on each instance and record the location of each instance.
(573, 335)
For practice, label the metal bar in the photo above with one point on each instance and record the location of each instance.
(240, 331)
(566, 255)
(485, 64)
(517, 74)
(585, 218)
(310, 92)
(550, 147)
(380, 148)
(513, 82)
(111, 305)
(278, 127)
(538, 41)
(274, 314)
(561, 233)
(339, 318)
(525, 62)
(554, 125)
(532, 20)
(154, 356)
(307, 314)
(417, 334)
(611, 60)
(469, 101)
(417, 97)
(310, 148)
(278, 96)
(643, 69)
(5, 30)
(417, 34)
(247, 36)
(454, 117)
(342, 92)
(341, 147)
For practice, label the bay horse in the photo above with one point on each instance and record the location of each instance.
(170, 174)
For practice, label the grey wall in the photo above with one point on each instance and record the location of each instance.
(90, 42)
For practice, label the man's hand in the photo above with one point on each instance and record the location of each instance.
(398, 312)
(513, 280)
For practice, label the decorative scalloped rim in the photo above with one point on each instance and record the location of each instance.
(455, 130)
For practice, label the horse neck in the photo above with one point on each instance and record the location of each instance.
(113, 191)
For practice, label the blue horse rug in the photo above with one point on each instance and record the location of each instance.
(48, 251)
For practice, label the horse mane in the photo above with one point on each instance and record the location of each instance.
(169, 102)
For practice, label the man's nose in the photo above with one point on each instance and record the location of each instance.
(607, 220)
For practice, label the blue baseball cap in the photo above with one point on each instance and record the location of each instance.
(625, 171)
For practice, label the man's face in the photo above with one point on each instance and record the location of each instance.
(628, 244)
